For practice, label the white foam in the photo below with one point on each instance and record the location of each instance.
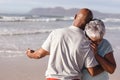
(32, 19)
(11, 53)
(113, 28)
(111, 20)
(25, 32)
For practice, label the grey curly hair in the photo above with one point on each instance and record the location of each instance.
(95, 29)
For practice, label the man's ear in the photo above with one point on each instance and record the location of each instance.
(75, 16)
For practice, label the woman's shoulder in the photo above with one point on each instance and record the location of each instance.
(105, 41)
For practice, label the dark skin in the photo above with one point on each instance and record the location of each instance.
(107, 62)
(37, 54)
(80, 20)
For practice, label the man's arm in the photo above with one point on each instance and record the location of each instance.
(37, 54)
(95, 70)
(92, 65)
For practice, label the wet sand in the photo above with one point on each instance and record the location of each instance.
(23, 68)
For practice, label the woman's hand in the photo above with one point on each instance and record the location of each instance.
(94, 47)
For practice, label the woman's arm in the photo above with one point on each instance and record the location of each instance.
(107, 62)
(95, 70)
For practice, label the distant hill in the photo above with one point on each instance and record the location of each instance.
(60, 11)
(57, 11)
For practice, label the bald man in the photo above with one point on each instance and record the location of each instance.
(69, 50)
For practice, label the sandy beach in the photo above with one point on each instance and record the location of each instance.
(23, 68)
(116, 74)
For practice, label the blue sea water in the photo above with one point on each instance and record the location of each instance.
(16, 36)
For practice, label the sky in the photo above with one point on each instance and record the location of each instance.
(24, 6)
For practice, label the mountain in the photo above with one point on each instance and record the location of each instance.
(57, 11)
(60, 11)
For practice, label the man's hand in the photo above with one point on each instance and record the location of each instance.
(37, 54)
(29, 53)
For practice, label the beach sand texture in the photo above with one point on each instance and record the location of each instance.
(27, 69)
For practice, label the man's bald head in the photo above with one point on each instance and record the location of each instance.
(82, 18)
(87, 13)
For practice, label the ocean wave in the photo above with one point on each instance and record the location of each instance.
(45, 19)
(13, 33)
(113, 28)
(32, 19)
(11, 53)
(111, 20)
(26, 32)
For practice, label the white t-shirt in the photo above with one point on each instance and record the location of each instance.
(69, 52)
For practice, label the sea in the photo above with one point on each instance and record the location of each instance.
(18, 33)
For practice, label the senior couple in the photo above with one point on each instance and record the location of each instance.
(78, 52)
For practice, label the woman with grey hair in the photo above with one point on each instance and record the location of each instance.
(103, 50)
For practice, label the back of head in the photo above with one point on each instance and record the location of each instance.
(87, 13)
(95, 29)
(82, 18)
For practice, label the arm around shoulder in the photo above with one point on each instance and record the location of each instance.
(95, 70)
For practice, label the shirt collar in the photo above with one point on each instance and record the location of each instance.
(75, 28)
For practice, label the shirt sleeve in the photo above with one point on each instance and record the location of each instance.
(46, 45)
(104, 48)
(90, 60)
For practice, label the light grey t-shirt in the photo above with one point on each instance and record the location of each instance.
(69, 52)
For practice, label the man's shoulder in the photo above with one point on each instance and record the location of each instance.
(59, 30)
